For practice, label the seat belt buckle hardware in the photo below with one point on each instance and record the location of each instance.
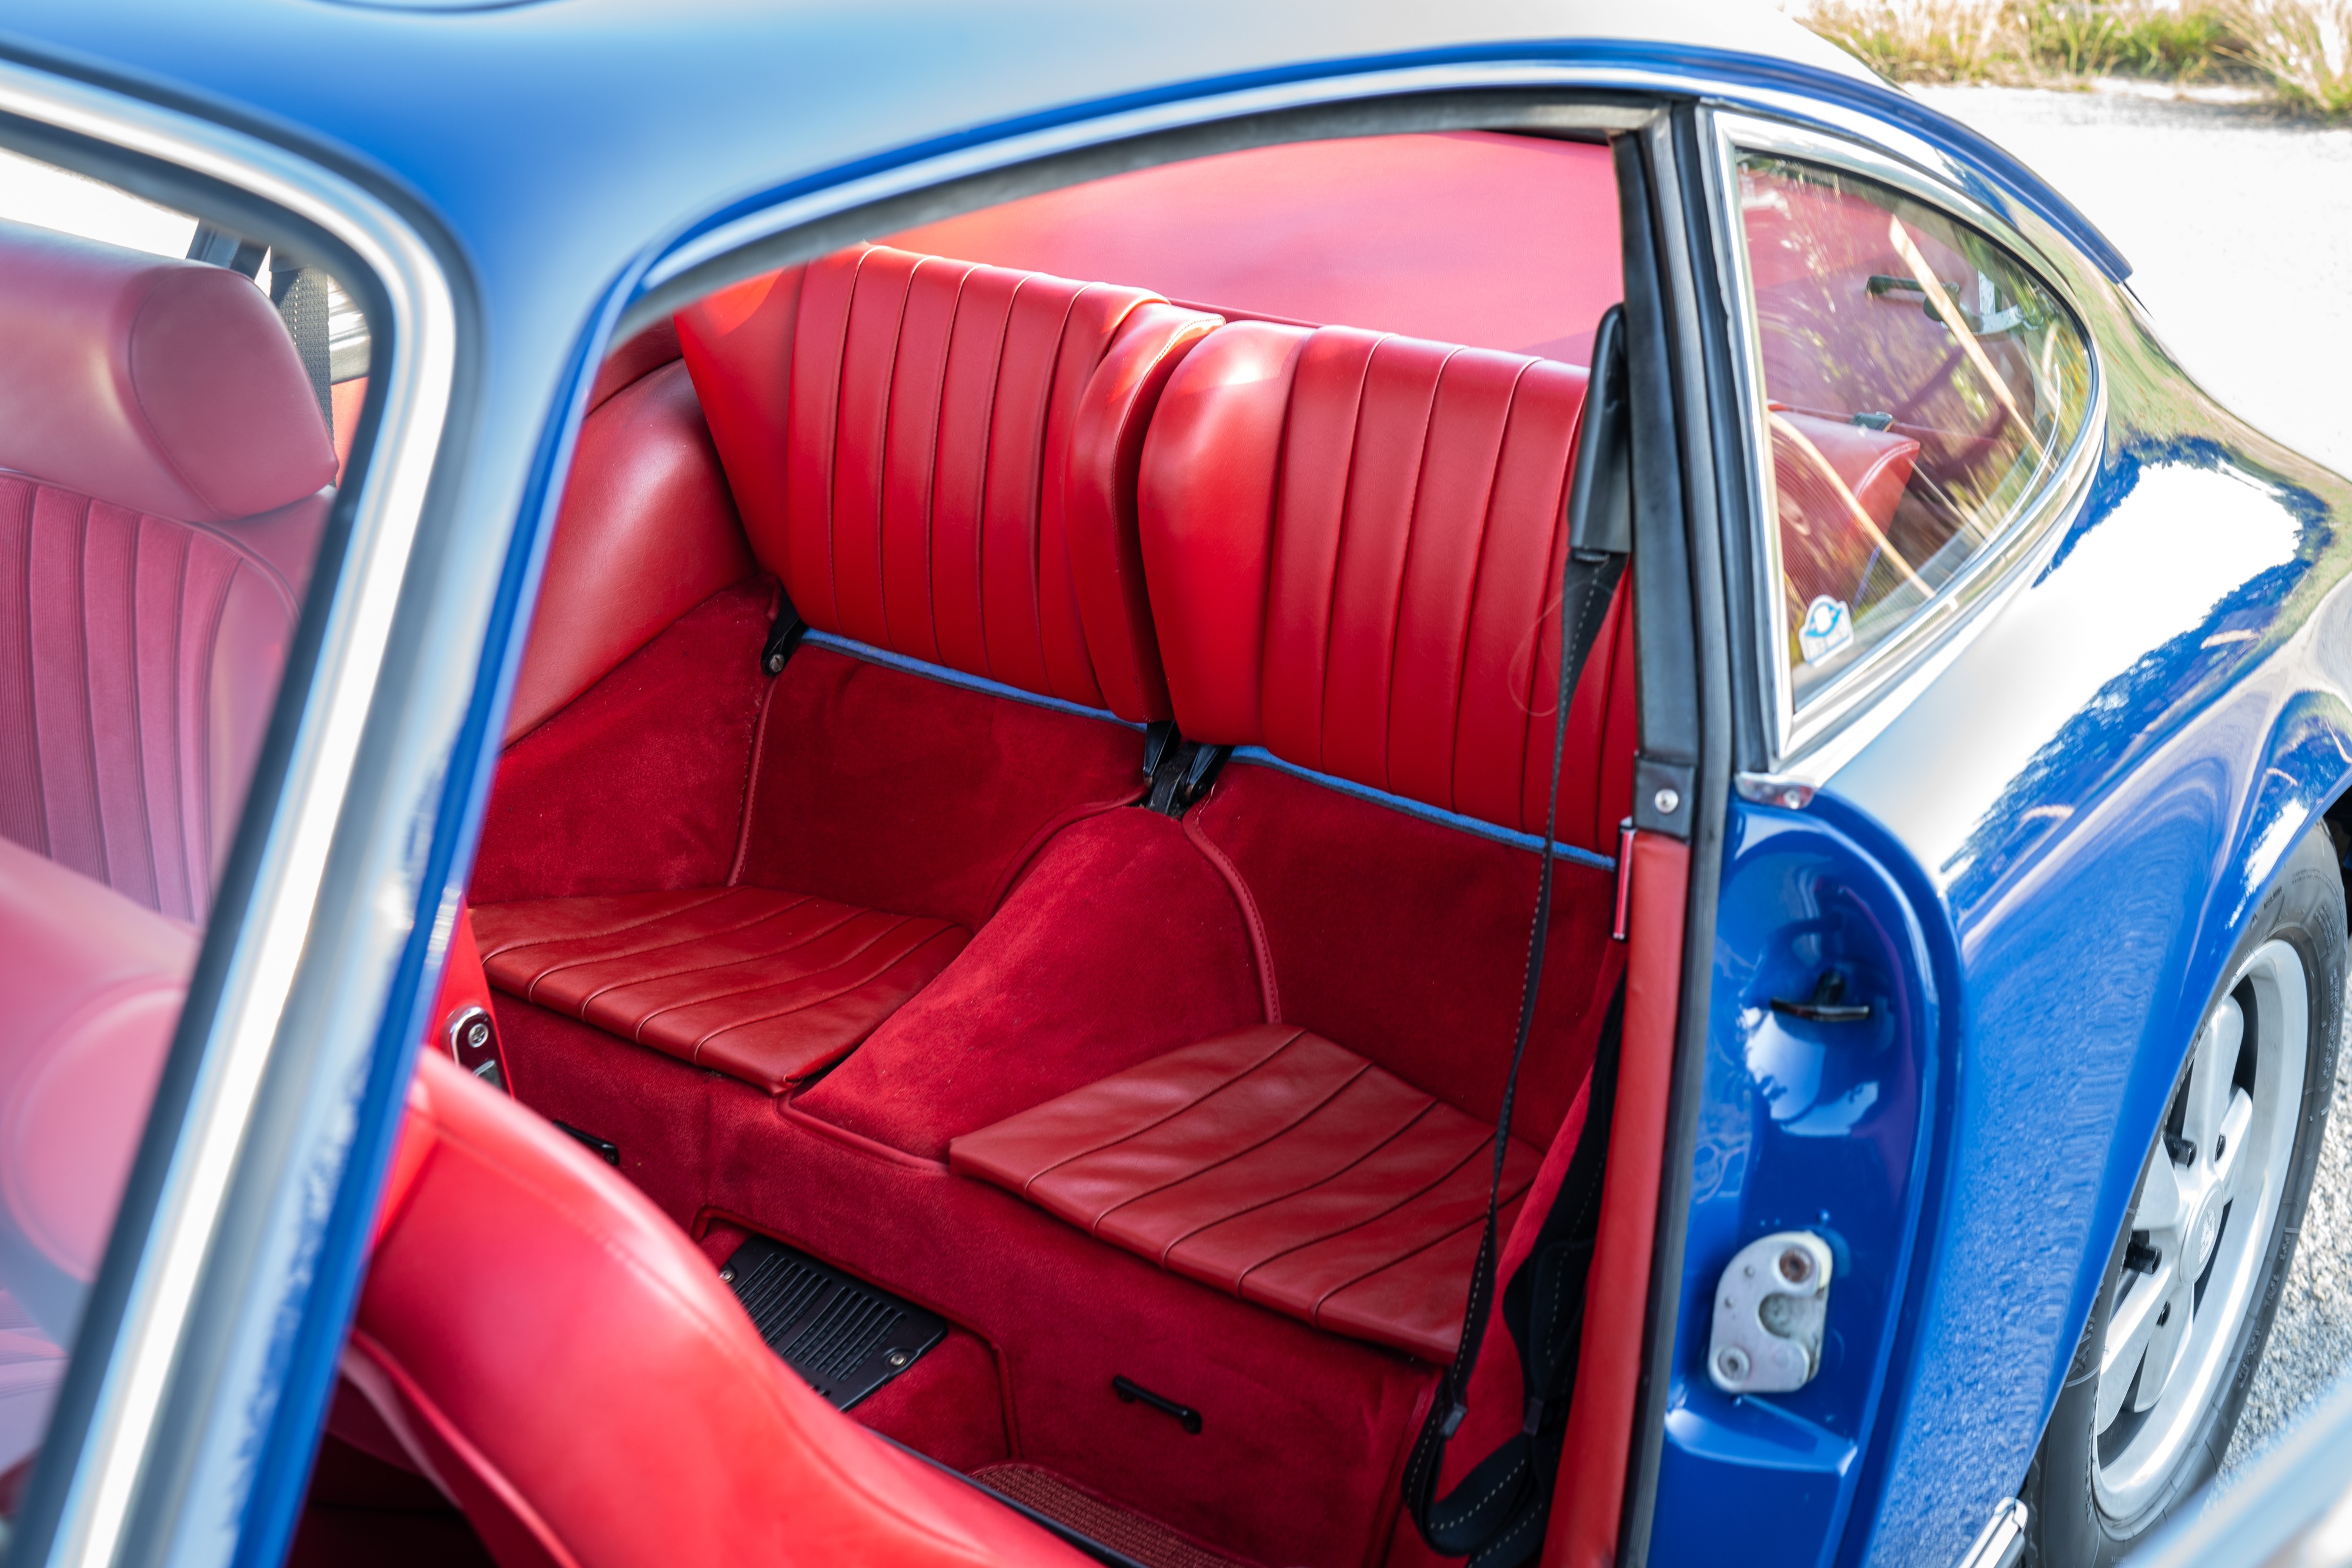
(1618, 927)
(1535, 1414)
(1454, 1419)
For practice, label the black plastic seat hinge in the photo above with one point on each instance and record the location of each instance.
(782, 638)
(1181, 780)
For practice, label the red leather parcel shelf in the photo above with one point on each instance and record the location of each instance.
(1278, 1167)
(768, 987)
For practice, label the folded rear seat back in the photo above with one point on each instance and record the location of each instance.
(949, 434)
(1353, 545)
(914, 447)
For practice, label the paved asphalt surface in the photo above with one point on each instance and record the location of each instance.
(2239, 226)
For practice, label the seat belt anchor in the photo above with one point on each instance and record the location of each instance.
(1454, 1419)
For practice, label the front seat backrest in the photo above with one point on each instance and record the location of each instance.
(163, 471)
(617, 1409)
(937, 458)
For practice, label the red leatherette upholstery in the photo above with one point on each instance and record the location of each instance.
(765, 986)
(162, 460)
(947, 431)
(1837, 485)
(646, 533)
(1353, 544)
(1278, 1167)
(94, 984)
(617, 1409)
(166, 387)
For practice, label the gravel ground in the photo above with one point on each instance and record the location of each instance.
(2237, 222)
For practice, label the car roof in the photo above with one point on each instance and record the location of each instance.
(584, 129)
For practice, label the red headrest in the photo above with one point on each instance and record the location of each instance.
(168, 387)
(1354, 545)
(938, 457)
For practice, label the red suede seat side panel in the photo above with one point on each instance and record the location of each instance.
(769, 987)
(878, 787)
(1406, 940)
(1353, 544)
(1120, 943)
(639, 783)
(1278, 1167)
(619, 1408)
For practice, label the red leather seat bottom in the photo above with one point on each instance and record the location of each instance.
(765, 986)
(1278, 1166)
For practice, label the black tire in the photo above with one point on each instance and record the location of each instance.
(2069, 1527)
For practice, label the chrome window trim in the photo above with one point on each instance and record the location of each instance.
(268, 956)
(1809, 744)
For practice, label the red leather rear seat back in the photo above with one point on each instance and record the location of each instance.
(1354, 545)
(163, 471)
(914, 443)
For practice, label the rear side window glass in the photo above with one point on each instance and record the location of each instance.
(1920, 386)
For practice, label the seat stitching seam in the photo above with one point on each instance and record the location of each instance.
(663, 944)
(1470, 608)
(1035, 1176)
(1339, 551)
(521, 943)
(892, 959)
(1407, 1125)
(1396, 597)
(1278, 1133)
(1482, 1146)
(690, 943)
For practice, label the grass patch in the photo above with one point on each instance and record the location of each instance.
(2301, 50)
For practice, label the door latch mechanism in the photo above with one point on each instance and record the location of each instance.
(1770, 1307)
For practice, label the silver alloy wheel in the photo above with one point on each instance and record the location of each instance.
(2202, 1230)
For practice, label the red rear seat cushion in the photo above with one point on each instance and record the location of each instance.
(1354, 545)
(1279, 1166)
(764, 986)
(948, 430)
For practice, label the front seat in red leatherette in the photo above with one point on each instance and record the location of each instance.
(560, 1360)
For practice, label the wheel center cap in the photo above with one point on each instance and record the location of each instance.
(2203, 1231)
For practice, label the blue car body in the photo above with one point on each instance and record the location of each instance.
(2043, 857)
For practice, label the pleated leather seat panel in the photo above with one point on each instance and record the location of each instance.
(1279, 1166)
(763, 985)
(937, 458)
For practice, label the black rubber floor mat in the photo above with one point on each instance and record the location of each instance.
(846, 1338)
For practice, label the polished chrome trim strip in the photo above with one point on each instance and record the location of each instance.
(2002, 1539)
(1814, 742)
(262, 966)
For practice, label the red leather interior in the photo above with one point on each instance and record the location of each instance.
(1837, 485)
(1353, 544)
(162, 464)
(935, 407)
(160, 386)
(646, 532)
(94, 983)
(617, 1405)
(769, 987)
(1279, 1166)
(1468, 237)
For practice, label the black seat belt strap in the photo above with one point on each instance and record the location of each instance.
(1496, 1516)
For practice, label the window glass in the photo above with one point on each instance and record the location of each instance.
(175, 414)
(1919, 386)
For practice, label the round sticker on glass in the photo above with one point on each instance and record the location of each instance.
(1828, 627)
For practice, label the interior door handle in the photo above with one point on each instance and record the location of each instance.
(1827, 1004)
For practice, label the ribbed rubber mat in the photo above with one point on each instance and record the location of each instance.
(1139, 1539)
(846, 1338)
